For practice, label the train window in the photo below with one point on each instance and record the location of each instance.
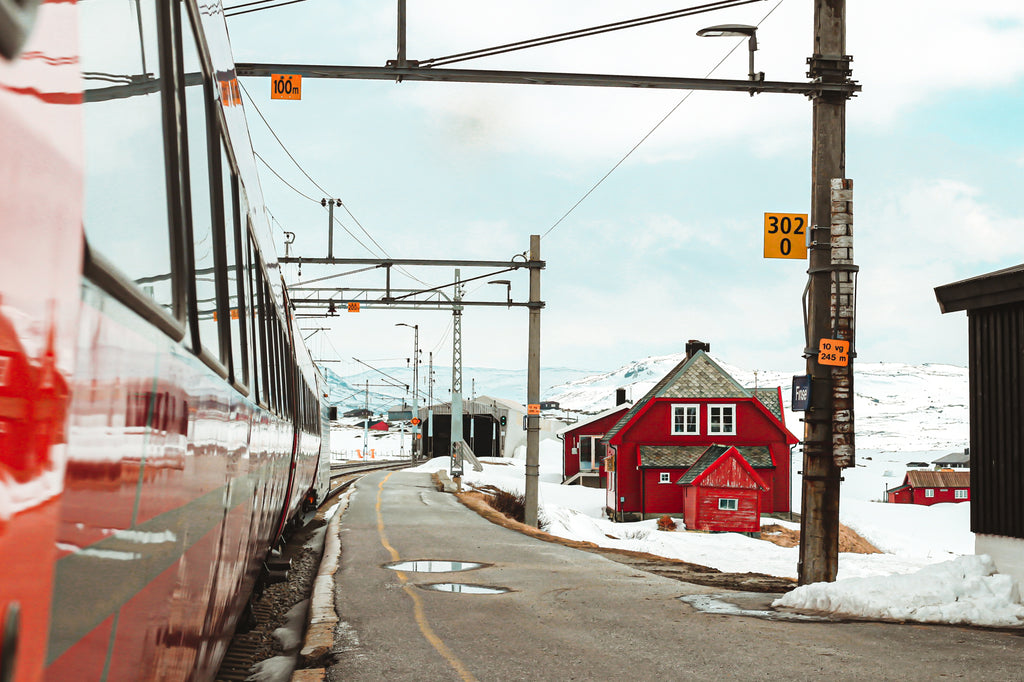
(236, 300)
(126, 197)
(197, 100)
(259, 332)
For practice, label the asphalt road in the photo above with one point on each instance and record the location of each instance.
(576, 615)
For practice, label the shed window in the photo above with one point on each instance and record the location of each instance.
(685, 420)
(722, 419)
(960, 494)
(664, 477)
(728, 503)
(929, 492)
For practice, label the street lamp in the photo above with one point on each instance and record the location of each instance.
(415, 383)
(508, 288)
(738, 30)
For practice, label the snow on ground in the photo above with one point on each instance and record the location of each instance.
(927, 571)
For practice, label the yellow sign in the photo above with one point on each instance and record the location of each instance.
(834, 352)
(533, 409)
(285, 86)
(353, 306)
(785, 235)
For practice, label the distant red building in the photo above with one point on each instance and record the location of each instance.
(931, 487)
(722, 492)
(696, 405)
(583, 455)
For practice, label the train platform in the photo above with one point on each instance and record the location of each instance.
(426, 589)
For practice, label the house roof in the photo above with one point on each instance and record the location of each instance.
(707, 460)
(939, 479)
(991, 289)
(698, 376)
(593, 418)
(669, 456)
(769, 397)
(954, 458)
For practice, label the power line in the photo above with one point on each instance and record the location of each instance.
(652, 130)
(320, 187)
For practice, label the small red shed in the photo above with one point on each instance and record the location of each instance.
(721, 492)
(931, 487)
(379, 426)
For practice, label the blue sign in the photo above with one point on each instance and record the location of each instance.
(801, 398)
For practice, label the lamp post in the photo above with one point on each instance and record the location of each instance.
(738, 30)
(415, 382)
(508, 289)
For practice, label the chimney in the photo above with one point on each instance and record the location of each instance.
(620, 396)
(693, 345)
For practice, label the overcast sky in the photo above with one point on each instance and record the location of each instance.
(669, 247)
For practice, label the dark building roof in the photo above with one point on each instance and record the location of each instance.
(954, 458)
(939, 479)
(984, 291)
(698, 376)
(669, 456)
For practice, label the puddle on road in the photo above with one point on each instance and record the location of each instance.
(716, 603)
(465, 588)
(433, 566)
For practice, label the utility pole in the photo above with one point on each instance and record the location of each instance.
(819, 529)
(456, 437)
(533, 390)
(366, 420)
(430, 404)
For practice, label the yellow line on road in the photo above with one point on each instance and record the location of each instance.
(417, 603)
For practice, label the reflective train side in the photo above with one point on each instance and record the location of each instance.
(160, 419)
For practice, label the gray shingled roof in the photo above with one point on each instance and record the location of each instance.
(695, 377)
(757, 457)
(669, 456)
(711, 454)
(769, 397)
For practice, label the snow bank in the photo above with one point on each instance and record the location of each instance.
(966, 590)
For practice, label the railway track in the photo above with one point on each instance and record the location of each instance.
(297, 555)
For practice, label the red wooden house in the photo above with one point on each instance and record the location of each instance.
(583, 456)
(722, 492)
(664, 434)
(932, 487)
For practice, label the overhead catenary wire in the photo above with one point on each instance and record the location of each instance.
(320, 187)
(229, 13)
(652, 130)
(584, 32)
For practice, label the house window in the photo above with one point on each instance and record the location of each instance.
(960, 494)
(685, 420)
(664, 478)
(929, 492)
(722, 419)
(728, 503)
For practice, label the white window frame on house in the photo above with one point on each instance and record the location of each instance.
(594, 460)
(728, 503)
(690, 419)
(665, 477)
(722, 410)
(960, 494)
(929, 492)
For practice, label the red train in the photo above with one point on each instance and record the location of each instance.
(160, 418)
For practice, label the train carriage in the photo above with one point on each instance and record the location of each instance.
(160, 419)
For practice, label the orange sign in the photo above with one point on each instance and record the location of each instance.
(415, 421)
(533, 409)
(834, 352)
(353, 307)
(285, 86)
(785, 235)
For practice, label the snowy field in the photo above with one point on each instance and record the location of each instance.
(927, 571)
